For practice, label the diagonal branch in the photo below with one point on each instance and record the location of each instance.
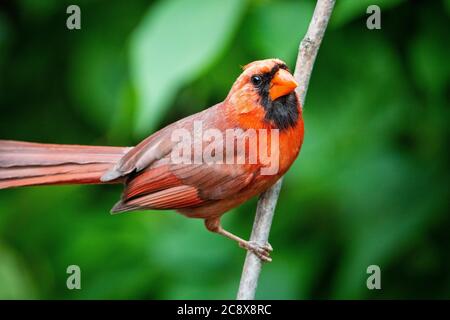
(268, 200)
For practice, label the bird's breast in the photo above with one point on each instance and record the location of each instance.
(291, 141)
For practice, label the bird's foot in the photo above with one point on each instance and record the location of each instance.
(261, 251)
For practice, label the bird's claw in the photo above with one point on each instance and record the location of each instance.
(261, 251)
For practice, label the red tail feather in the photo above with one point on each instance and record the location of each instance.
(26, 164)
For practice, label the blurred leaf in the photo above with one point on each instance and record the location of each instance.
(176, 41)
(383, 211)
(39, 9)
(275, 29)
(447, 6)
(99, 79)
(5, 38)
(429, 57)
(292, 275)
(347, 10)
(15, 283)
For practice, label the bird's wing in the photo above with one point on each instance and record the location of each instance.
(175, 186)
(157, 146)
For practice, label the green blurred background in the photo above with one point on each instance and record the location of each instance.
(371, 185)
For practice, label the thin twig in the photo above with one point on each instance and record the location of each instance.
(268, 200)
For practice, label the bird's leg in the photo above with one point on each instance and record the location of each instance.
(261, 251)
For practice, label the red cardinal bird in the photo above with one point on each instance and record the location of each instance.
(261, 101)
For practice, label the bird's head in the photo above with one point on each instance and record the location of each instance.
(266, 90)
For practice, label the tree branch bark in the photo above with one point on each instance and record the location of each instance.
(267, 202)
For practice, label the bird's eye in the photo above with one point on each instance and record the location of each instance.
(256, 80)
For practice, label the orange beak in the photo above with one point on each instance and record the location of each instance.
(282, 83)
